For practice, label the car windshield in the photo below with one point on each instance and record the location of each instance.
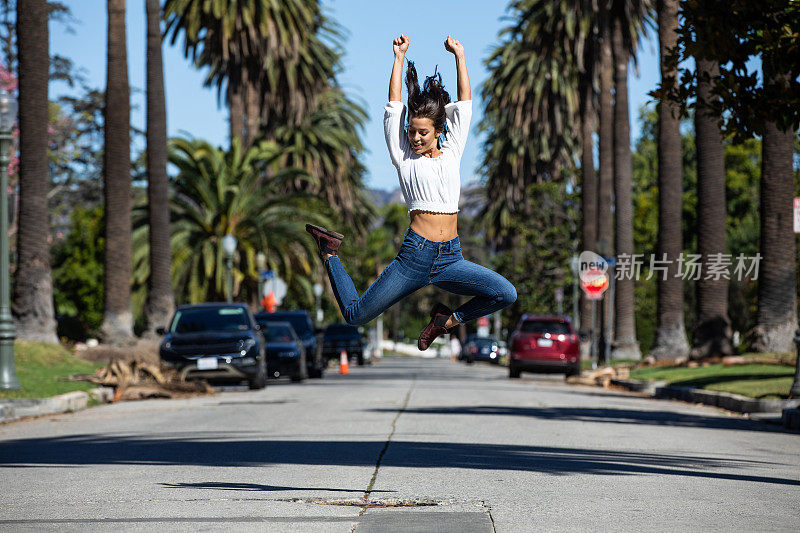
(545, 326)
(341, 329)
(278, 333)
(300, 323)
(484, 341)
(202, 319)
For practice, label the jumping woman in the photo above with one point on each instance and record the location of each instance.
(428, 167)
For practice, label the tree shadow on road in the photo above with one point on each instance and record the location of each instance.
(604, 415)
(143, 450)
(255, 487)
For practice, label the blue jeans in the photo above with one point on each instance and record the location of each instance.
(419, 263)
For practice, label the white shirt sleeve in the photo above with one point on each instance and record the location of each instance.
(457, 118)
(394, 119)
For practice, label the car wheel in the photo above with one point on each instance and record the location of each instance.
(573, 371)
(513, 371)
(360, 359)
(260, 381)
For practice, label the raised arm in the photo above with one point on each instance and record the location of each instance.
(400, 45)
(457, 49)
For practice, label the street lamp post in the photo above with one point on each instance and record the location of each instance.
(229, 244)
(261, 265)
(8, 374)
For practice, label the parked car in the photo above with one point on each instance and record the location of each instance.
(338, 337)
(301, 323)
(477, 348)
(286, 355)
(545, 344)
(217, 342)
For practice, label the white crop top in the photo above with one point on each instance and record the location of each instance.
(429, 184)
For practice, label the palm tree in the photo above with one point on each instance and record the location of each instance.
(270, 55)
(218, 192)
(160, 303)
(327, 145)
(531, 105)
(627, 24)
(712, 334)
(33, 287)
(670, 337)
(117, 320)
(776, 319)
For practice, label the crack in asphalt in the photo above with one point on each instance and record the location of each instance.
(367, 492)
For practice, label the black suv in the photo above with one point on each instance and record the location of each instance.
(215, 341)
(338, 337)
(301, 323)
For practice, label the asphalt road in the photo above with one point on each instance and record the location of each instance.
(403, 445)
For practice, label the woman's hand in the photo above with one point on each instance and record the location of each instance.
(454, 46)
(400, 45)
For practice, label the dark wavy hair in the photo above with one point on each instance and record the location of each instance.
(428, 102)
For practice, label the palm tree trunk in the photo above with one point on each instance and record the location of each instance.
(625, 344)
(605, 183)
(33, 286)
(713, 334)
(117, 320)
(161, 302)
(670, 337)
(588, 188)
(236, 107)
(252, 105)
(776, 318)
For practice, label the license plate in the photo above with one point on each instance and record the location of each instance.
(207, 363)
(544, 343)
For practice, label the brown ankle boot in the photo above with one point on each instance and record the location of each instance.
(327, 241)
(439, 315)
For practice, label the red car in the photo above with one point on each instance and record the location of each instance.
(545, 344)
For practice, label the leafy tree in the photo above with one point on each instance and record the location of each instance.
(78, 271)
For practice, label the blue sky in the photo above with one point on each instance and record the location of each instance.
(370, 28)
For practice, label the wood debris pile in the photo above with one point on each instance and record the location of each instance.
(138, 380)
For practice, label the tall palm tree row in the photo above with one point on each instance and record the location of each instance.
(219, 192)
(160, 300)
(117, 320)
(33, 288)
(670, 336)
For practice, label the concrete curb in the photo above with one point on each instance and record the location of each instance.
(14, 409)
(724, 400)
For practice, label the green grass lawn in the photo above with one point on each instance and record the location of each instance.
(753, 380)
(39, 364)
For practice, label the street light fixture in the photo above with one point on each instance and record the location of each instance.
(261, 265)
(229, 245)
(8, 374)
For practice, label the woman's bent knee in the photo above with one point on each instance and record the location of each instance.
(508, 295)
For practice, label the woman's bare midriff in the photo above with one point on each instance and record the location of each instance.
(435, 226)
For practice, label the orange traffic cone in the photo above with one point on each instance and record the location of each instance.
(344, 363)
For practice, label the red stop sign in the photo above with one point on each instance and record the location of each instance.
(594, 283)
